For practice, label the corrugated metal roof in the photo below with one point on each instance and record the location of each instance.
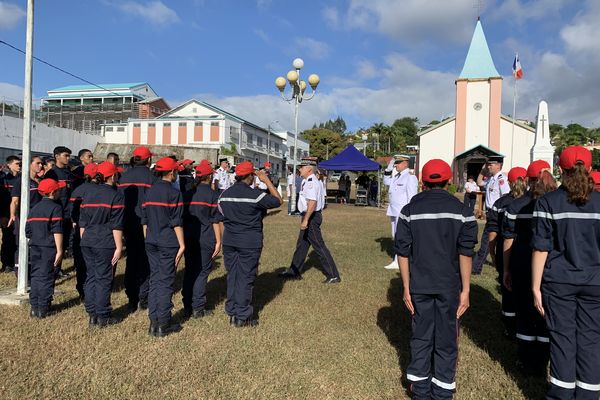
(110, 86)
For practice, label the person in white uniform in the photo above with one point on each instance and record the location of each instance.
(222, 180)
(402, 187)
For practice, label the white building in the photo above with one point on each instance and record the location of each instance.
(478, 129)
(199, 124)
(303, 149)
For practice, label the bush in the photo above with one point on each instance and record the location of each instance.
(452, 188)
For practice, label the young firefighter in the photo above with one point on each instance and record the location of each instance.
(80, 192)
(437, 232)
(44, 231)
(202, 240)
(566, 278)
(101, 228)
(531, 333)
(517, 180)
(162, 218)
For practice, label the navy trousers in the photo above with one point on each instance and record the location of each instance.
(198, 264)
(98, 283)
(9, 247)
(573, 318)
(312, 236)
(508, 302)
(434, 338)
(137, 267)
(242, 267)
(42, 276)
(162, 282)
(79, 262)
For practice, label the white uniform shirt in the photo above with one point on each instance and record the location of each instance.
(471, 187)
(290, 182)
(223, 177)
(495, 187)
(403, 187)
(311, 189)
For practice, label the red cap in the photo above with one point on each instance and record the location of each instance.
(535, 168)
(516, 173)
(596, 177)
(187, 161)
(203, 169)
(572, 154)
(205, 162)
(268, 165)
(167, 164)
(436, 170)
(108, 169)
(91, 169)
(142, 152)
(244, 168)
(48, 186)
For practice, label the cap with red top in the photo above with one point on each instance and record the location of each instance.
(204, 169)
(436, 170)
(535, 168)
(91, 169)
(244, 168)
(108, 169)
(142, 152)
(595, 175)
(167, 164)
(268, 164)
(573, 155)
(187, 161)
(516, 173)
(48, 186)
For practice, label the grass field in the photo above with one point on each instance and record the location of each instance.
(346, 341)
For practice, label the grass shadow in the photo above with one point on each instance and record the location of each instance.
(65, 305)
(386, 244)
(267, 287)
(394, 321)
(483, 324)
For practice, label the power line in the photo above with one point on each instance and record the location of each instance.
(59, 69)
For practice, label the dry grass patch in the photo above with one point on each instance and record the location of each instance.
(347, 341)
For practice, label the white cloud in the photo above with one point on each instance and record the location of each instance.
(366, 70)
(262, 35)
(10, 92)
(154, 12)
(524, 11)
(10, 15)
(312, 47)
(331, 16)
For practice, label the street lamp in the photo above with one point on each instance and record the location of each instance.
(269, 139)
(298, 87)
(364, 139)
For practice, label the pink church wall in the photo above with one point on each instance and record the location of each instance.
(495, 105)
(461, 117)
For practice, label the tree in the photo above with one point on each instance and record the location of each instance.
(338, 125)
(407, 129)
(323, 142)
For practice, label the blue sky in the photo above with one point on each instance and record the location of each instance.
(378, 59)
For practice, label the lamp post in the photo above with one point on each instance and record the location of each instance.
(269, 140)
(298, 87)
(364, 139)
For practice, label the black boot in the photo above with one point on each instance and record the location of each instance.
(93, 322)
(240, 323)
(33, 313)
(103, 322)
(201, 313)
(165, 329)
(42, 312)
(153, 328)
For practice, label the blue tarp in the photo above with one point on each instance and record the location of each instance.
(350, 159)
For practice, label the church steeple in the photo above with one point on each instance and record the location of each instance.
(479, 62)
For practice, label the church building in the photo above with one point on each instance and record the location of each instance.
(478, 129)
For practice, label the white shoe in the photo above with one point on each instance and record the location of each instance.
(392, 265)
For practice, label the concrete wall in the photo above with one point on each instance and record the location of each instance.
(44, 138)
(125, 151)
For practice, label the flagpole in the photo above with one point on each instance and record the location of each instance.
(512, 149)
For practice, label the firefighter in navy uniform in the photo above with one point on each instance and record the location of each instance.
(77, 196)
(101, 225)
(517, 179)
(243, 209)
(186, 176)
(566, 278)
(310, 205)
(201, 228)
(44, 230)
(9, 240)
(162, 218)
(496, 186)
(133, 184)
(531, 333)
(437, 232)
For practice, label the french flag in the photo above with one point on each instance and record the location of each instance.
(517, 70)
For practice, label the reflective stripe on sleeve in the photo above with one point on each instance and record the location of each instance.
(588, 386)
(566, 215)
(414, 378)
(443, 385)
(562, 384)
(430, 216)
(543, 339)
(526, 337)
(242, 199)
(509, 314)
(518, 216)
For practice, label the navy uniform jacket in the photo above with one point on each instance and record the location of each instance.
(243, 209)
(186, 182)
(162, 210)
(7, 183)
(571, 235)
(78, 176)
(45, 219)
(102, 212)
(517, 226)
(77, 197)
(64, 194)
(200, 213)
(34, 196)
(433, 230)
(495, 223)
(133, 184)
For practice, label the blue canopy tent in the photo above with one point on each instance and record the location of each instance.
(351, 159)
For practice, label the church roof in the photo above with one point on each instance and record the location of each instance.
(479, 62)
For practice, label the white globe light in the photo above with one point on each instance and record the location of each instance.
(292, 77)
(313, 81)
(298, 63)
(280, 83)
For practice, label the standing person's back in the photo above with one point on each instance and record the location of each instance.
(438, 233)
